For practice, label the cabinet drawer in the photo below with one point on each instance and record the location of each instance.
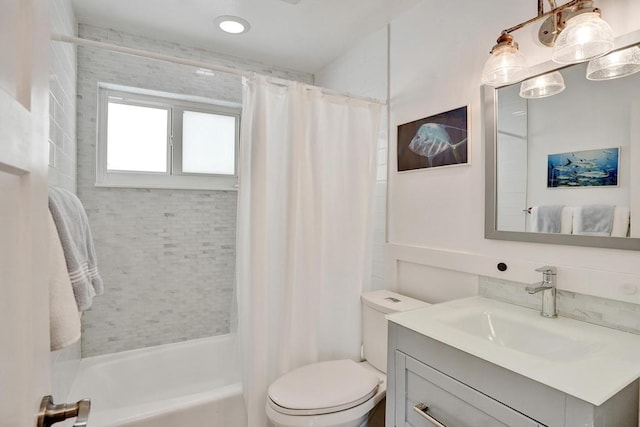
(450, 402)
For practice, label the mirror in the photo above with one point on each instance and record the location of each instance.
(560, 169)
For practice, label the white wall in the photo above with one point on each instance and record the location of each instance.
(586, 116)
(364, 72)
(436, 216)
(511, 160)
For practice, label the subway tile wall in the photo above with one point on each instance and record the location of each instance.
(62, 99)
(62, 154)
(167, 257)
(600, 311)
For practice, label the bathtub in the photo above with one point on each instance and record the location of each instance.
(189, 383)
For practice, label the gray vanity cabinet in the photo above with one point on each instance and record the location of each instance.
(431, 397)
(461, 390)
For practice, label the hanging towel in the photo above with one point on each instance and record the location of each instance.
(566, 222)
(546, 219)
(73, 228)
(64, 319)
(620, 226)
(593, 220)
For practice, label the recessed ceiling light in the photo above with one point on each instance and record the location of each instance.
(232, 24)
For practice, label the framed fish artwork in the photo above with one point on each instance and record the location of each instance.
(589, 168)
(439, 140)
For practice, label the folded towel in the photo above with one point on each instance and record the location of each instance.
(546, 219)
(593, 220)
(64, 319)
(73, 228)
(620, 227)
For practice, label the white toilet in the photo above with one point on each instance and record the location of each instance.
(341, 393)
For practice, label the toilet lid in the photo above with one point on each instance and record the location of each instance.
(322, 388)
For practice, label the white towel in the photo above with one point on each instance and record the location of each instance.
(546, 219)
(599, 220)
(566, 223)
(77, 243)
(620, 226)
(63, 311)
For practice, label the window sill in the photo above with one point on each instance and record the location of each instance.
(166, 182)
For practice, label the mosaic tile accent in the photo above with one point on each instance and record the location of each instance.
(167, 257)
(600, 311)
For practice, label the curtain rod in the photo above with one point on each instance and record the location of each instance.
(168, 58)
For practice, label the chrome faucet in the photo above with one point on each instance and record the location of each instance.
(548, 289)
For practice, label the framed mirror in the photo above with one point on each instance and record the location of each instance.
(565, 169)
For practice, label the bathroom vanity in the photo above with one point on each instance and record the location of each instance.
(478, 362)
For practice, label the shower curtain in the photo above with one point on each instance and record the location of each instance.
(305, 213)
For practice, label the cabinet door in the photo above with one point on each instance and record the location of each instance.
(450, 402)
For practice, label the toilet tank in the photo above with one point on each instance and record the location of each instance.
(375, 306)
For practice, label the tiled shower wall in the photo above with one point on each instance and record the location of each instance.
(62, 153)
(167, 257)
(62, 99)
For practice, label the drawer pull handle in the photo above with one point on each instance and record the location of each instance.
(422, 409)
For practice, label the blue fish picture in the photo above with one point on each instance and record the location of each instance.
(590, 168)
(439, 140)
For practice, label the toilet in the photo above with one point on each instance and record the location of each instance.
(341, 393)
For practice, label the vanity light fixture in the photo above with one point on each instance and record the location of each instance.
(232, 24)
(615, 65)
(575, 30)
(506, 64)
(542, 86)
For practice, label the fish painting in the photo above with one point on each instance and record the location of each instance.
(589, 168)
(432, 139)
(438, 140)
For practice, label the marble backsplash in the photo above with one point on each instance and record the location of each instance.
(600, 311)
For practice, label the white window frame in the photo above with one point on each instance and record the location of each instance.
(174, 178)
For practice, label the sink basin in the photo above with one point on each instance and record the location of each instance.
(586, 361)
(514, 333)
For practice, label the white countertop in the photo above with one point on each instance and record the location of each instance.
(594, 364)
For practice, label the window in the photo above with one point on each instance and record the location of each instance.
(151, 141)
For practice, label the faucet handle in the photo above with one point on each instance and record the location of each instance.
(547, 269)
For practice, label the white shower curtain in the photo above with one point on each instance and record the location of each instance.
(305, 211)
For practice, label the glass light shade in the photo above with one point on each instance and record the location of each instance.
(617, 64)
(505, 66)
(585, 37)
(542, 86)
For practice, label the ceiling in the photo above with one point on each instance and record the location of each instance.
(305, 36)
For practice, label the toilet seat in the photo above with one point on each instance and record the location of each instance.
(338, 385)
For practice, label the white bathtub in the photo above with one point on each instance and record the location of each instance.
(190, 383)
